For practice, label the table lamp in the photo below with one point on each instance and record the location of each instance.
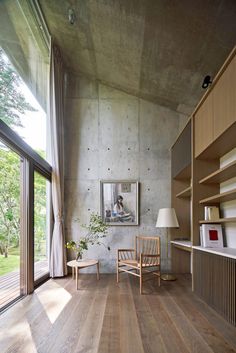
(167, 219)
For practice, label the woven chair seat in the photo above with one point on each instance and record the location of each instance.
(137, 264)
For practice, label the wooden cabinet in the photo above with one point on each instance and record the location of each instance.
(224, 98)
(217, 111)
(215, 281)
(203, 121)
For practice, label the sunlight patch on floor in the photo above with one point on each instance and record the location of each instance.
(19, 334)
(54, 299)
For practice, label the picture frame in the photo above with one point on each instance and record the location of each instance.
(211, 236)
(120, 202)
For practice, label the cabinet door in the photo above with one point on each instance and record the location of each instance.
(224, 100)
(203, 125)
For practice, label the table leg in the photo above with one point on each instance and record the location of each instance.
(73, 273)
(98, 270)
(76, 277)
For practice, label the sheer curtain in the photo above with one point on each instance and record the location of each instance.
(56, 99)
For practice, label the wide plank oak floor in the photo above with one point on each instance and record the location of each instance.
(104, 317)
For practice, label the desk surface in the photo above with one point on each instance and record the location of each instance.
(186, 243)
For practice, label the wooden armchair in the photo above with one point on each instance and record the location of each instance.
(144, 259)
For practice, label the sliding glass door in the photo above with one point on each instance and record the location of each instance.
(25, 211)
(11, 264)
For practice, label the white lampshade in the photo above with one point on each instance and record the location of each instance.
(167, 218)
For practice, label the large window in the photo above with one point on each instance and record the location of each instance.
(24, 217)
(24, 74)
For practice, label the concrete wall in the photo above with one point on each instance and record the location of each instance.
(112, 135)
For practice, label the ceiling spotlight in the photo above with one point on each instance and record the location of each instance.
(71, 16)
(206, 82)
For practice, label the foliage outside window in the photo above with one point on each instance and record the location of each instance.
(12, 101)
(9, 200)
(13, 106)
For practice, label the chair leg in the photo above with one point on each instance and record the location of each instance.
(140, 282)
(117, 272)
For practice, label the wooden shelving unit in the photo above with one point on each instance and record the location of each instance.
(220, 175)
(185, 193)
(223, 197)
(181, 154)
(220, 220)
(213, 131)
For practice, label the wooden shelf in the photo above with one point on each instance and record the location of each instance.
(185, 193)
(220, 175)
(220, 220)
(224, 196)
(184, 174)
(223, 144)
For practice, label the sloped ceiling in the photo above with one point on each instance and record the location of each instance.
(159, 50)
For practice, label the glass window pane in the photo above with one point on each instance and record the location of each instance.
(19, 109)
(10, 241)
(41, 239)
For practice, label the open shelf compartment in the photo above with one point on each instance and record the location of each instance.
(220, 175)
(223, 197)
(185, 193)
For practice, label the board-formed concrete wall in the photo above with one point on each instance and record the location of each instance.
(110, 135)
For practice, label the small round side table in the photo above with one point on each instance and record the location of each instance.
(77, 265)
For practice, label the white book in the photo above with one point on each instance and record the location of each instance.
(212, 236)
(206, 213)
(213, 213)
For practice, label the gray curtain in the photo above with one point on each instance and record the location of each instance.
(56, 99)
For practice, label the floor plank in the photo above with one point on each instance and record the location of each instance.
(106, 317)
(207, 331)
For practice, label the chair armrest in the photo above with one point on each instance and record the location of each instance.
(126, 254)
(150, 255)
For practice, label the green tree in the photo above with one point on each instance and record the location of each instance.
(39, 215)
(12, 106)
(10, 204)
(12, 100)
(9, 199)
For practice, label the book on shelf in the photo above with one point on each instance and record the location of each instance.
(211, 213)
(211, 236)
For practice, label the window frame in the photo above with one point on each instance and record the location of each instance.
(31, 161)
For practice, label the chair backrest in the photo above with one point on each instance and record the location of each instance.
(148, 246)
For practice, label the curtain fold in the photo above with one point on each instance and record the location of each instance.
(56, 101)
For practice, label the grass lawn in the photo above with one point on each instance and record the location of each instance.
(9, 264)
(12, 262)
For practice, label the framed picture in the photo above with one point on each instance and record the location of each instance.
(119, 202)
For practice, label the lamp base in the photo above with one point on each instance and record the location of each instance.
(168, 277)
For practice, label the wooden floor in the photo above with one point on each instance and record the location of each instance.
(104, 317)
(10, 282)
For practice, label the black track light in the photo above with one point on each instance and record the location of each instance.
(206, 82)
